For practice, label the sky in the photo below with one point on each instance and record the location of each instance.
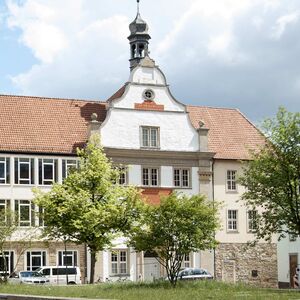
(241, 54)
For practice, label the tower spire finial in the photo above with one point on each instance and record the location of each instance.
(138, 6)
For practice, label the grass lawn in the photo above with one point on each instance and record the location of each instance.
(155, 291)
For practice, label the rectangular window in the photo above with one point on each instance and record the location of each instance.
(119, 262)
(150, 137)
(67, 258)
(67, 166)
(4, 207)
(150, 176)
(231, 180)
(182, 178)
(47, 171)
(35, 259)
(232, 224)
(25, 214)
(6, 263)
(123, 175)
(186, 263)
(251, 218)
(24, 171)
(4, 170)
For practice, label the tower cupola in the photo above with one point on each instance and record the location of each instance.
(138, 39)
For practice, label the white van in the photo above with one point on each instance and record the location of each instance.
(61, 274)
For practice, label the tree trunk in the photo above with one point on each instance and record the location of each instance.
(93, 263)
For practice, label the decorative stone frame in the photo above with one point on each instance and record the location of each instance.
(145, 92)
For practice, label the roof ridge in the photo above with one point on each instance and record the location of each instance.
(213, 107)
(53, 98)
(251, 123)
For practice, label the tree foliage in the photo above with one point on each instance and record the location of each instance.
(89, 207)
(272, 178)
(178, 226)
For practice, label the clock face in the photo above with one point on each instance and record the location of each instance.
(148, 94)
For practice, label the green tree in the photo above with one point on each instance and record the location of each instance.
(178, 226)
(272, 178)
(89, 207)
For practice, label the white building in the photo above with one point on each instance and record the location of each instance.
(166, 145)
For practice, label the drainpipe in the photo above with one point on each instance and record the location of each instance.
(213, 199)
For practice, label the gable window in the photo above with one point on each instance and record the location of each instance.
(181, 177)
(4, 206)
(25, 214)
(67, 166)
(35, 259)
(6, 263)
(232, 220)
(150, 137)
(47, 171)
(251, 220)
(231, 180)
(4, 170)
(150, 176)
(119, 264)
(24, 171)
(67, 258)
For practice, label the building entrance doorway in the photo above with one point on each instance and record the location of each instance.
(293, 265)
(151, 267)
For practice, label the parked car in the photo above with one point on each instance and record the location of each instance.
(61, 274)
(194, 274)
(28, 277)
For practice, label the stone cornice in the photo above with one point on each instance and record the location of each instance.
(158, 154)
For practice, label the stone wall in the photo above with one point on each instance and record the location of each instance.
(252, 265)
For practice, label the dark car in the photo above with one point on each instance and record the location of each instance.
(194, 274)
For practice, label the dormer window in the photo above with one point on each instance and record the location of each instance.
(149, 137)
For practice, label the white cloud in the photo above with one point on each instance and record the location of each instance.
(213, 50)
(283, 22)
(34, 19)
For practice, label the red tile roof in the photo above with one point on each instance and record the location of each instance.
(45, 125)
(53, 125)
(231, 135)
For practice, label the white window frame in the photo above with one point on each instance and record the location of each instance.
(69, 253)
(123, 179)
(250, 219)
(187, 261)
(231, 221)
(67, 164)
(231, 181)
(25, 203)
(45, 162)
(6, 204)
(119, 255)
(8, 254)
(150, 174)
(181, 178)
(150, 143)
(33, 253)
(5, 161)
(30, 163)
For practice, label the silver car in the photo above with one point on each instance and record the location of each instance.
(194, 274)
(29, 277)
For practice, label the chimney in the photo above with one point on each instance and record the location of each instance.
(203, 137)
(94, 125)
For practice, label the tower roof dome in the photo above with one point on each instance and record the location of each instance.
(138, 25)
